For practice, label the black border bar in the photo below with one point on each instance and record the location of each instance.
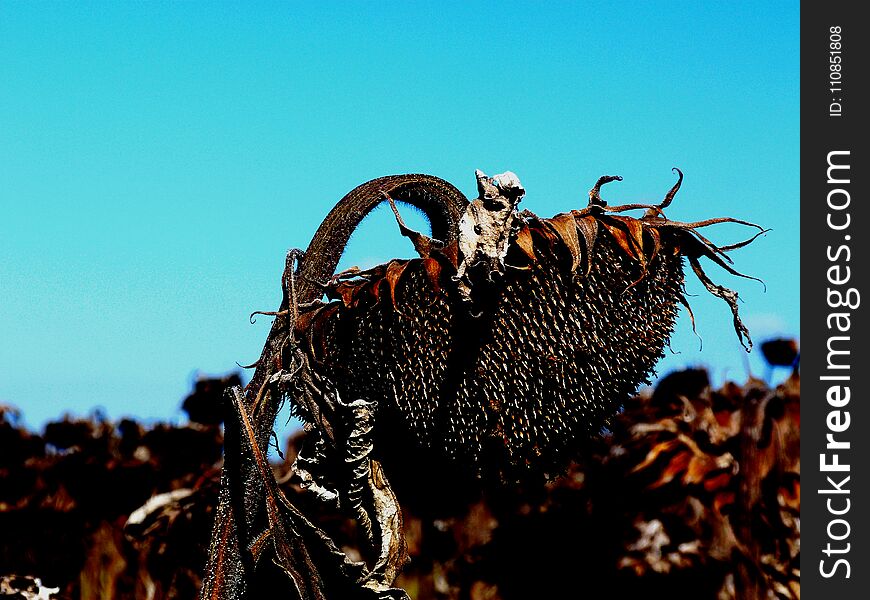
(835, 371)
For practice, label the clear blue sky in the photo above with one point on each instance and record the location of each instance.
(157, 160)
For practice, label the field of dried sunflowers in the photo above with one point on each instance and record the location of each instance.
(693, 493)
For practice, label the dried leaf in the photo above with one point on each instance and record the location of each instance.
(373, 288)
(634, 228)
(685, 303)
(699, 466)
(678, 463)
(450, 252)
(565, 227)
(432, 269)
(729, 296)
(717, 482)
(655, 452)
(745, 242)
(525, 243)
(588, 228)
(656, 238)
(395, 270)
(624, 236)
(541, 233)
(347, 292)
(673, 191)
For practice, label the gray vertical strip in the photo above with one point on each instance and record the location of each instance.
(835, 431)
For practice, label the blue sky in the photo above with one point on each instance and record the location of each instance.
(158, 159)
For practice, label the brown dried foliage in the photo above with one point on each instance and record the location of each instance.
(66, 496)
(695, 493)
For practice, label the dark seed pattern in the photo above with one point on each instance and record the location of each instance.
(551, 358)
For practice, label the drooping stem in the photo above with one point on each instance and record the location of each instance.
(442, 203)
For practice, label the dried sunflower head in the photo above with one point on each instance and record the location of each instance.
(513, 336)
